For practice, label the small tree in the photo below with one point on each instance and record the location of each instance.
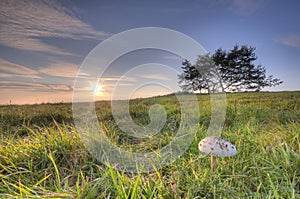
(191, 79)
(235, 69)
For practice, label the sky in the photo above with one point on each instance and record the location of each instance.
(43, 44)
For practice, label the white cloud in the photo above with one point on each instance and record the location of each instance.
(22, 96)
(290, 40)
(60, 87)
(16, 70)
(115, 79)
(24, 23)
(30, 86)
(62, 69)
(240, 7)
(110, 79)
(155, 77)
(173, 57)
(247, 7)
(15, 85)
(58, 69)
(5, 75)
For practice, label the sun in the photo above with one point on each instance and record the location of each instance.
(98, 90)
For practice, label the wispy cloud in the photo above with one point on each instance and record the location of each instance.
(57, 69)
(110, 79)
(11, 69)
(173, 57)
(30, 93)
(24, 23)
(60, 87)
(290, 40)
(62, 69)
(240, 7)
(115, 79)
(12, 73)
(22, 86)
(30, 86)
(155, 77)
(5, 75)
(247, 7)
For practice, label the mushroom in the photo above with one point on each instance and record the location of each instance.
(216, 147)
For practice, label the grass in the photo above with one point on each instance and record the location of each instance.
(42, 155)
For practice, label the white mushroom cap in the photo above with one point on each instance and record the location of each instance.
(216, 146)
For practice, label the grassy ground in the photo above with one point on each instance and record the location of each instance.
(42, 156)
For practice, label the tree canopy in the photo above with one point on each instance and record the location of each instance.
(235, 70)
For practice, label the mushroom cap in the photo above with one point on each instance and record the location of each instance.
(216, 146)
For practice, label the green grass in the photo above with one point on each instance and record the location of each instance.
(42, 156)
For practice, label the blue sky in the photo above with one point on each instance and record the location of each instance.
(43, 43)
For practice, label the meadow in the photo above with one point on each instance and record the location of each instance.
(42, 155)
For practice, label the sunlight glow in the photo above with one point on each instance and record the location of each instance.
(98, 91)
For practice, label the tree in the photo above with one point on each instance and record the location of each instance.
(191, 79)
(203, 76)
(235, 69)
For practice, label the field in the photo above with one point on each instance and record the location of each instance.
(42, 155)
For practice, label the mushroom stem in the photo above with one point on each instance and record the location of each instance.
(213, 162)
